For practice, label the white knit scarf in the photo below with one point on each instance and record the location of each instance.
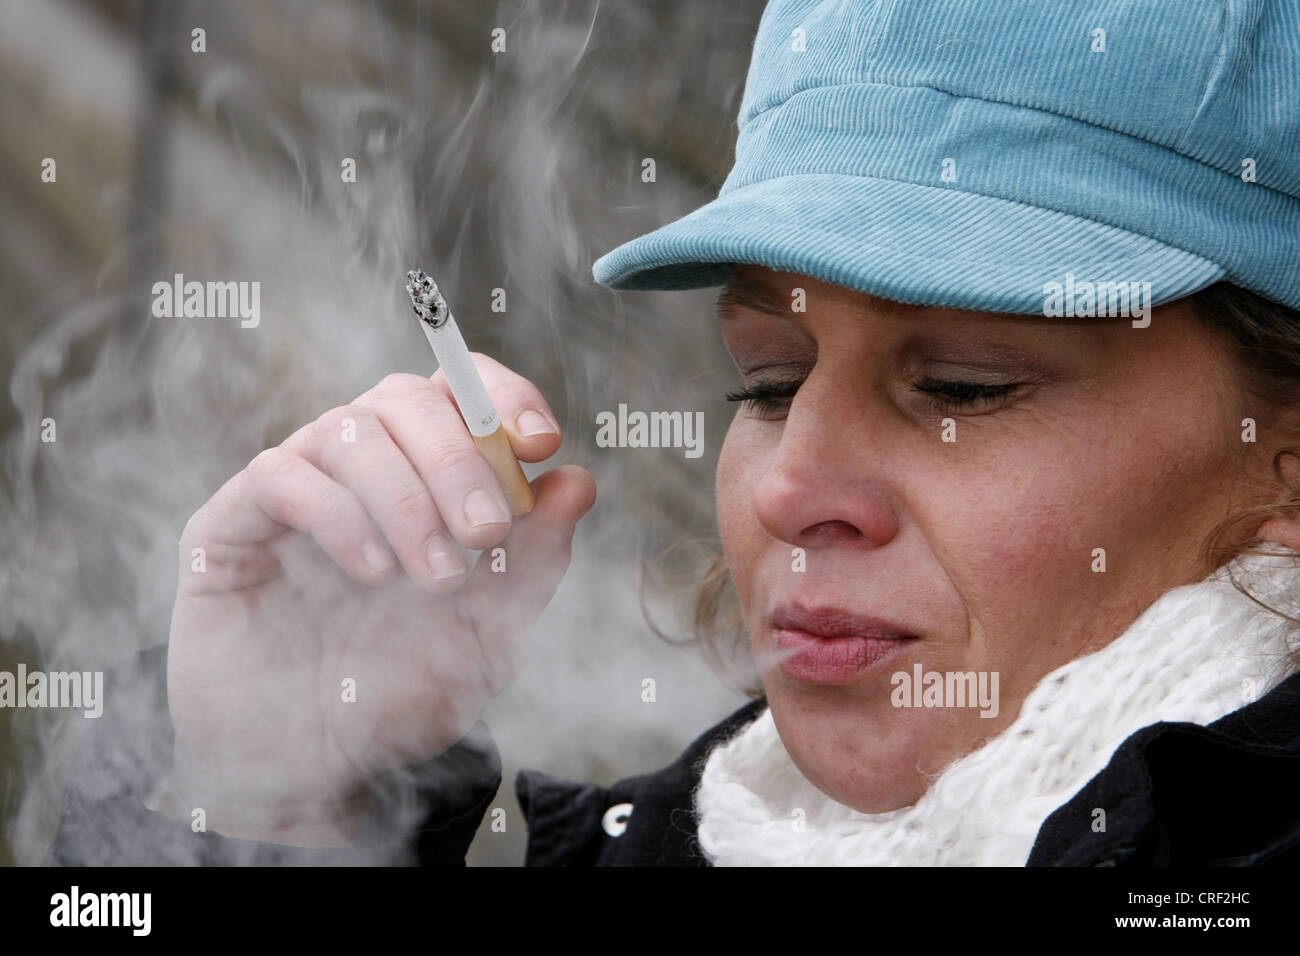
(1198, 653)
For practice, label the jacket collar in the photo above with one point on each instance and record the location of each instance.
(646, 820)
(1179, 794)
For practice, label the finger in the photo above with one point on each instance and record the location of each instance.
(428, 429)
(352, 445)
(287, 491)
(527, 417)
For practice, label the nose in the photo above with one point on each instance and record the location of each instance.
(829, 482)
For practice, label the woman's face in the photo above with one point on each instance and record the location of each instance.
(1070, 437)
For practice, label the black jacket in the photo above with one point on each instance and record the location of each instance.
(1173, 794)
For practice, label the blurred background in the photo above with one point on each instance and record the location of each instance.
(513, 169)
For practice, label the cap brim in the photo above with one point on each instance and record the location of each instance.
(921, 245)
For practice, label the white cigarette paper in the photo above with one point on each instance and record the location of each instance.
(453, 358)
(476, 408)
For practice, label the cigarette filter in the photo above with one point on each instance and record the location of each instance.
(475, 407)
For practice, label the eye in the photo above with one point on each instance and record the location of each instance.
(766, 398)
(769, 398)
(950, 395)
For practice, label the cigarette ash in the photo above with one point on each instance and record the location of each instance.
(427, 301)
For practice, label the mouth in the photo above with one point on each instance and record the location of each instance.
(834, 646)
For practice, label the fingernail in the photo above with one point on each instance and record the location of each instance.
(531, 422)
(482, 507)
(443, 559)
(378, 557)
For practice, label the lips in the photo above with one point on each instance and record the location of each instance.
(835, 622)
(835, 646)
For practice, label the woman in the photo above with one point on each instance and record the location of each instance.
(1016, 319)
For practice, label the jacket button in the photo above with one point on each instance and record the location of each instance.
(615, 820)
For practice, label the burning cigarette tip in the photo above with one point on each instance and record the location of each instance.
(427, 301)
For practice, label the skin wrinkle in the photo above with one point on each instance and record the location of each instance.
(982, 546)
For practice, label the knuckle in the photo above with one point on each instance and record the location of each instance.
(306, 508)
(272, 475)
(456, 456)
(331, 424)
(411, 503)
(426, 402)
(270, 466)
(400, 383)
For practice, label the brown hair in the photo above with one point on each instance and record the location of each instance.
(1265, 336)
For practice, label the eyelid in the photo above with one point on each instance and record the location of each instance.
(778, 371)
(1000, 369)
(982, 377)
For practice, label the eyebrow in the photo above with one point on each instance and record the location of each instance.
(749, 293)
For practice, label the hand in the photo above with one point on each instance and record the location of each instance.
(333, 629)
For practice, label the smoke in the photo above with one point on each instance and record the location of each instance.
(510, 170)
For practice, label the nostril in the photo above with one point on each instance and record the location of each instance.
(827, 531)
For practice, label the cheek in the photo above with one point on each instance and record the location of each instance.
(1019, 536)
(727, 489)
(739, 463)
(1013, 542)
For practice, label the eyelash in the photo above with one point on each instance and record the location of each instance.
(769, 397)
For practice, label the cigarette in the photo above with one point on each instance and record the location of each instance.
(476, 408)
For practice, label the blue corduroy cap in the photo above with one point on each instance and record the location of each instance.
(969, 153)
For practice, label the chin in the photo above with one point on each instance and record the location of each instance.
(876, 796)
(856, 752)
